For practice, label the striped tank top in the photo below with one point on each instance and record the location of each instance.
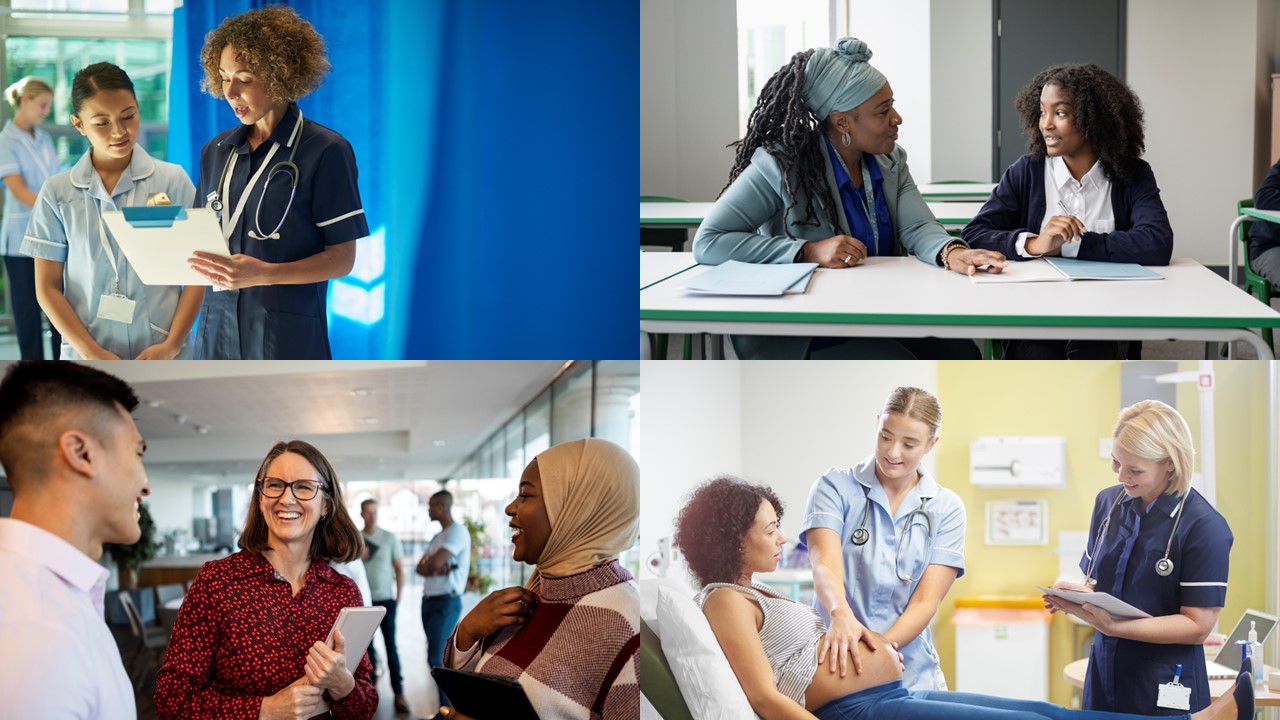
(790, 636)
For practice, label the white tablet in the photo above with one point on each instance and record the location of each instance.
(357, 625)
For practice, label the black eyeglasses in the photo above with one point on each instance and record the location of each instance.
(302, 489)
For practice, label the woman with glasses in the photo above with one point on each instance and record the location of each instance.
(1081, 191)
(886, 542)
(1156, 543)
(249, 639)
(284, 187)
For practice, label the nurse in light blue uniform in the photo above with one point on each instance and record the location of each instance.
(886, 542)
(84, 282)
(1156, 543)
(27, 159)
(285, 190)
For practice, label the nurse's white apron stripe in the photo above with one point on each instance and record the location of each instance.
(341, 217)
(1203, 584)
(44, 242)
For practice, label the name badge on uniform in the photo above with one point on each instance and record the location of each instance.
(117, 308)
(1174, 695)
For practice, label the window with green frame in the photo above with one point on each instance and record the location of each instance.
(58, 60)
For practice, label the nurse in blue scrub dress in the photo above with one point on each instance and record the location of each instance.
(83, 281)
(1157, 544)
(886, 542)
(285, 190)
(27, 160)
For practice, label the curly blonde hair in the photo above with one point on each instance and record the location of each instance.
(281, 48)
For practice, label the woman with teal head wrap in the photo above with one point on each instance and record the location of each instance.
(819, 177)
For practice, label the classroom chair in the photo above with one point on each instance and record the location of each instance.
(673, 238)
(151, 643)
(1254, 284)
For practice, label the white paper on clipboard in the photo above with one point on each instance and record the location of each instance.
(357, 625)
(1116, 607)
(159, 254)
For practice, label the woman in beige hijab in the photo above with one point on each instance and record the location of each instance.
(570, 635)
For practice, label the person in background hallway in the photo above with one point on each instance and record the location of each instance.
(571, 635)
(27, 159)
(444, 567)
(249, 641)
(383, 552)
(73, 457)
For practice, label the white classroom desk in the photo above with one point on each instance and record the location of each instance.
(933, 192)
(871, 300)
(658, 266)
(952, 215)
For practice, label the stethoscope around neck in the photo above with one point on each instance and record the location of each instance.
(862, 534)
(285, 166)
(1164, 566)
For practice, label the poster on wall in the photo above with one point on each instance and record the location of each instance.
(1017, 522)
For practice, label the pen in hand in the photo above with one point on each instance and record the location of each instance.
(1063, 205)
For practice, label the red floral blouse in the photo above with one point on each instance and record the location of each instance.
(241, 635)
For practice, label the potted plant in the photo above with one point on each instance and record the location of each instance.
(479, 538)
(129, 558)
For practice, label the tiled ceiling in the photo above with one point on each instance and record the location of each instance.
(211, 422)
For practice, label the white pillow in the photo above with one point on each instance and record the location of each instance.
(708, 684)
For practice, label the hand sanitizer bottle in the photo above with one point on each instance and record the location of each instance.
(1255, 654)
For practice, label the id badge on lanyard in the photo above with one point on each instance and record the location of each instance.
(1174, 695)
(114, 306)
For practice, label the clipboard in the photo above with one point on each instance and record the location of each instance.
(483, 696)
(158, 240)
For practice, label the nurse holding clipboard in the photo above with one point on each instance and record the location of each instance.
(1156, 543)
(284, 187)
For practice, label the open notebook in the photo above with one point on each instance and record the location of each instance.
(1064, 269)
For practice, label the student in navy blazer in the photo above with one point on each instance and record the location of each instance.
(1081, 191)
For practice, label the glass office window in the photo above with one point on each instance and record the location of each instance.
(537, 425)
(571, 404)
(769, 33)
(57, 60)
(617, 398)
(61, 6)
(514, 434)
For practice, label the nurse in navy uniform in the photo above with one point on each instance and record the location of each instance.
(285, 190)
(1157, 544)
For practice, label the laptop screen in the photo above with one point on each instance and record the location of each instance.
(1229, 655)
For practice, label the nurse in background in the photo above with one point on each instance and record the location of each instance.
(285, 188)
(83, 281)
(1182, 587)
(27, 159)
(886, 542)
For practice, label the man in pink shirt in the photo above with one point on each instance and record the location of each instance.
(73, 457)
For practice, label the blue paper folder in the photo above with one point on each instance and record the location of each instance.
(739, 278)
(1075, 269)
(154, 215)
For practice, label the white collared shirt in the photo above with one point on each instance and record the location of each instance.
(60, 660)
(1095, 190)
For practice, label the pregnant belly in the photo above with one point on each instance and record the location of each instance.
(878, 668)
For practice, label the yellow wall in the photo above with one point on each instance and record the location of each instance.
(1080, 401)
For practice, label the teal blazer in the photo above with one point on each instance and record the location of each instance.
(747, 223)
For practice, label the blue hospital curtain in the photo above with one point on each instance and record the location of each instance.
(496, 143)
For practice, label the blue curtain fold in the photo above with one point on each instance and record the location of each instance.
(496, 143)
